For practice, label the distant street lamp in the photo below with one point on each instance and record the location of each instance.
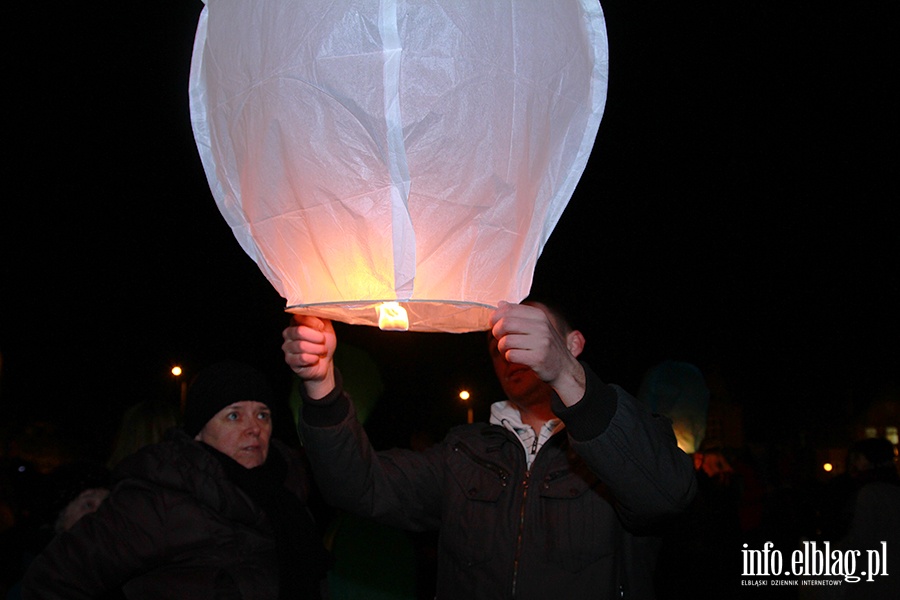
(464, 396)
(177, 371)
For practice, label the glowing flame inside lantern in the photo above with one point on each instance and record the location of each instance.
(417, 152)
(392, 317)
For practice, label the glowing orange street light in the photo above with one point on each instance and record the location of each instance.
(464, 396)
(177, 371)
(828, 467)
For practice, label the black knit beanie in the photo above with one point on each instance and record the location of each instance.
(221, 385)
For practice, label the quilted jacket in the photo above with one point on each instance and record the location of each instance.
(174, 527)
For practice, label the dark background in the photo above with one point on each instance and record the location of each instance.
(738, 212)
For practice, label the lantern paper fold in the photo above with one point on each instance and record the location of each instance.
(418, 152)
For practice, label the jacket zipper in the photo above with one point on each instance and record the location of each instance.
(518, 554)
(504, 477)
(519, 537)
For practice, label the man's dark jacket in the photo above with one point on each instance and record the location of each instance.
(562, 529)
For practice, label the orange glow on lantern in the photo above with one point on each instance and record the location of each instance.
(417, 154)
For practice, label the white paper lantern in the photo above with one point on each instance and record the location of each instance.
(421, 153)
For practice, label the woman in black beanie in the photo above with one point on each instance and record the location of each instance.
(217, 510)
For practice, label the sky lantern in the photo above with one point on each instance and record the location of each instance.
(678, 390)
(399, 164)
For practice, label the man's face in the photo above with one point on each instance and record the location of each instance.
(518, 381)
(241, 431)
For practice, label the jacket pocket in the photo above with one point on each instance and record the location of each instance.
(474, 507)
(581, 526)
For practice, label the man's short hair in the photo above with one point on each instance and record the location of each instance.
(560, 318)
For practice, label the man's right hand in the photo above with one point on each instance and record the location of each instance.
(309, 345)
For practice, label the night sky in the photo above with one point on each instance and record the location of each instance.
(736, 213)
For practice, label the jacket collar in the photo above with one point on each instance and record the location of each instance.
(506, 415)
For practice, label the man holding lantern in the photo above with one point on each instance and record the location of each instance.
(549, 499)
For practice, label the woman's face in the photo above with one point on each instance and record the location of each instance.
(241, 431)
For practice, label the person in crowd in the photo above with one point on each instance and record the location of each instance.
(35, 454)
(548, 500)
(143, 424)
(216, 510)
(697, 552)
(80, 488)
(74, 489)
(875, 517)
(872, 459)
